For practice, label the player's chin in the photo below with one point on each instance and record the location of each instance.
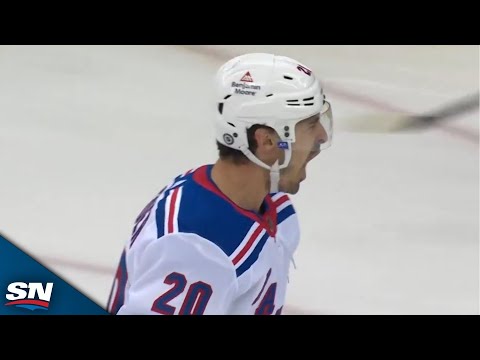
(290, 187)
(292, 190)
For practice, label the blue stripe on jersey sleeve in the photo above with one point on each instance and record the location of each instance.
(160, 217)
(285, 213)
(253, 256)
(160, 212)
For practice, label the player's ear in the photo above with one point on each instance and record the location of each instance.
(267, 149)
(265, 138)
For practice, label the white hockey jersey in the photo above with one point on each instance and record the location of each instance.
(194, 252)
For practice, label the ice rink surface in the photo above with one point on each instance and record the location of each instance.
(390, 221)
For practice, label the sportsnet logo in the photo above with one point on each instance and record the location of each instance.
(37, 297)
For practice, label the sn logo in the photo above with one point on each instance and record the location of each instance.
(19, 297)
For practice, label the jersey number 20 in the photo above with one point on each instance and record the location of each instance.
(195, 300)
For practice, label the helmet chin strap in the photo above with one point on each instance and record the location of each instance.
(274, 169)
(274, 177)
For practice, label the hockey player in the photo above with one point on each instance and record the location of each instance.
(220, 238)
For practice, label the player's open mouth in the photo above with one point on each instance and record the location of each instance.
(313, 154)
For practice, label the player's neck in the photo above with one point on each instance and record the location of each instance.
(245, 185)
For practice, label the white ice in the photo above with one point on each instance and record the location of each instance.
(390, 222)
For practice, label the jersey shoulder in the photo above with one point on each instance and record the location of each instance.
(194, 205)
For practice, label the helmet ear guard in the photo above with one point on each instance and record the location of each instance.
(228, 133)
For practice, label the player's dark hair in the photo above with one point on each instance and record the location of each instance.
(236, 156)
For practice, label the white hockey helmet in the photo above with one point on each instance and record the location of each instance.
(271, 90)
